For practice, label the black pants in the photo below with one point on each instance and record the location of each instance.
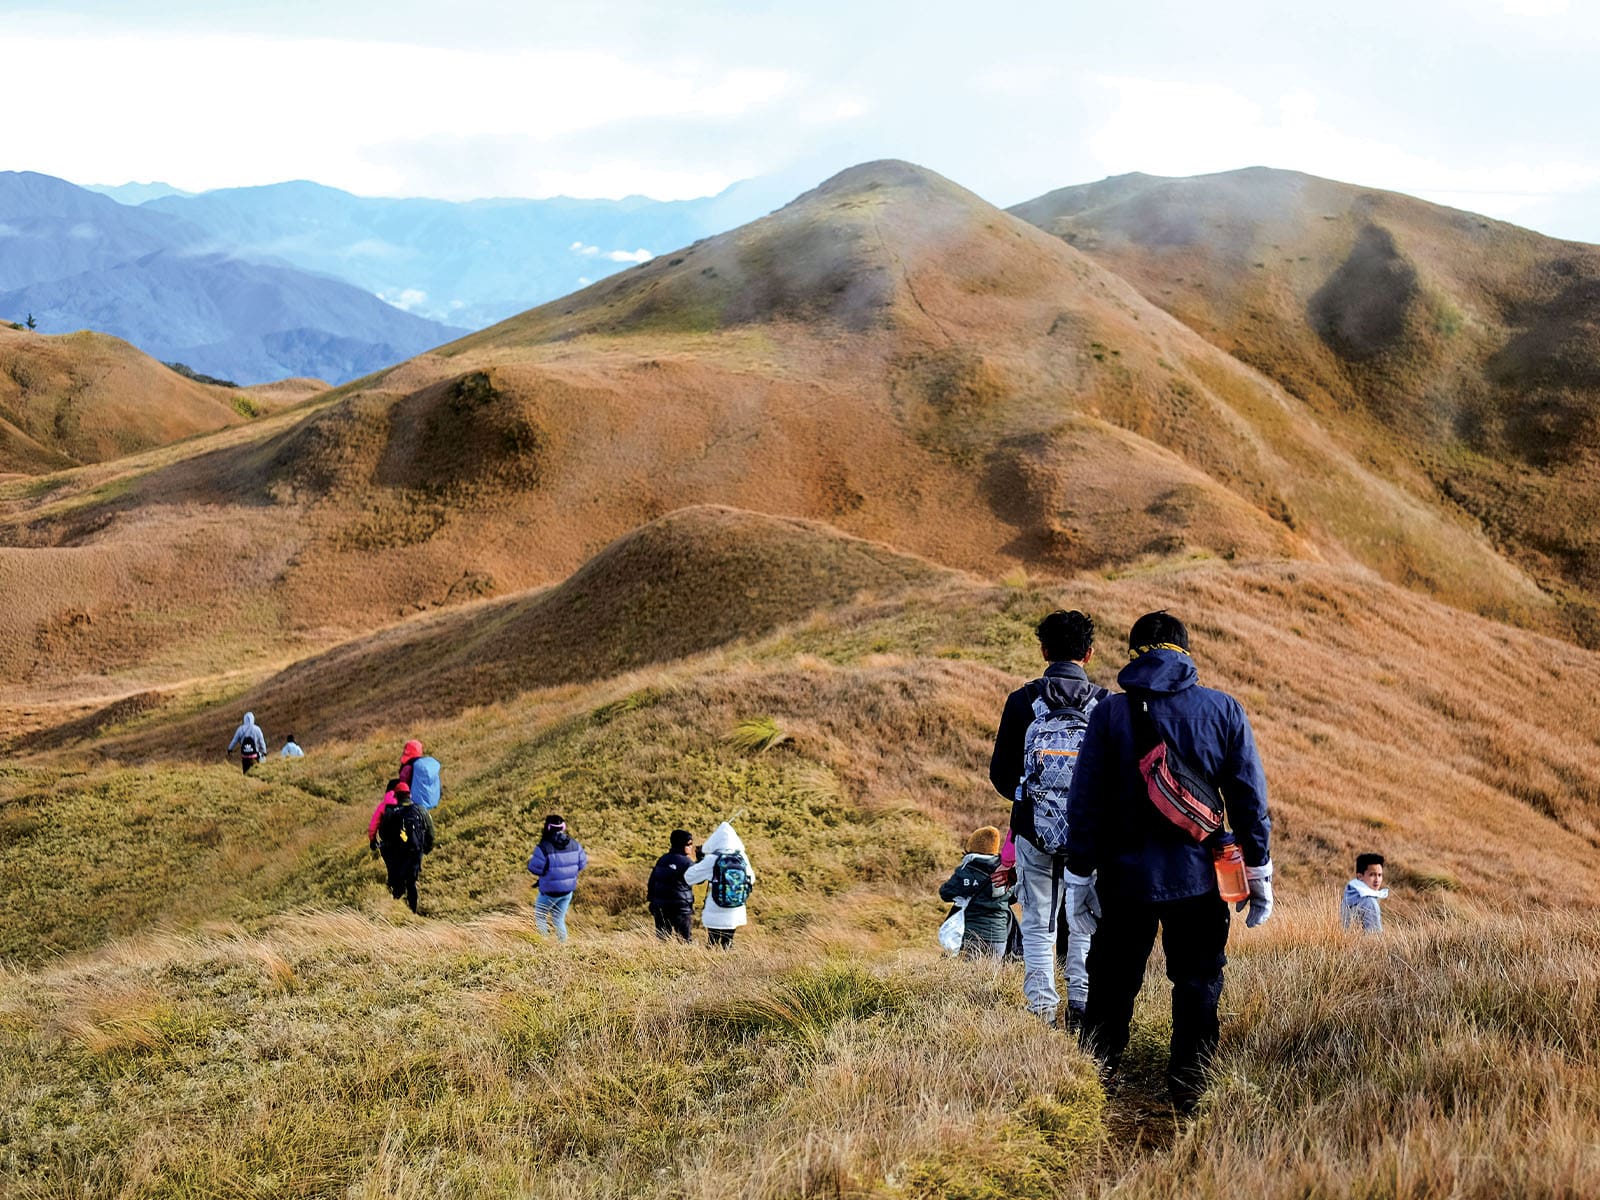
(1194, 934)
(672, 921)
(247, 762)
(403, 871)
(722, 939)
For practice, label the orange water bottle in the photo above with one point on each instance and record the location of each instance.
(1229, 862)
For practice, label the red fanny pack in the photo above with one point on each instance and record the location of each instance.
(1180, 793)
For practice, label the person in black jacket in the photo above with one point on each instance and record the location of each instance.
(1066, 642)
(671, 898)
(1151, 873)
(404, 836)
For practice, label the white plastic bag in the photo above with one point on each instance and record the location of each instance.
(954, 930)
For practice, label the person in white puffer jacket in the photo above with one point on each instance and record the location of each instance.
(720, 922)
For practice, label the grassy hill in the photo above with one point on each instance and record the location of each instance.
(86, 397)
(1459, 355)
(888, 354)
(880, 691)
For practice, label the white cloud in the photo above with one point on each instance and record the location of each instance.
(1537, 8)
(584, 281)
(616, 256)
(1169, 128)
(340, 130)
(406, 298)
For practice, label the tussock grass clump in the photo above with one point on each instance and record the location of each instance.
(1454, 1059)
(805, 1004)
(757, 734)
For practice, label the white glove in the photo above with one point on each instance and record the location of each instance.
(1260, 902)
(1083, 904)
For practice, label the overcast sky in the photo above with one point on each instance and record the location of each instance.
(1484, 104)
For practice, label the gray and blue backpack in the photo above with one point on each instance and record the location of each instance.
(1049, 754)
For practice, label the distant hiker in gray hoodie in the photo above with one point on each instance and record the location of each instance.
(251, 741)
(1359, 907)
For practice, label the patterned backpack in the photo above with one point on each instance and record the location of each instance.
(1049, 754)
(730, 880)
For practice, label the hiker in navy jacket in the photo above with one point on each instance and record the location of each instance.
(557, 863)
(1151, 873)
(671, 897)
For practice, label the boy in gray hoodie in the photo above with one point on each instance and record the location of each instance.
(1359, 907)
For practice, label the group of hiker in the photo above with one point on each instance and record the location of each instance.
(401, 830)
(252, 744)
(1133, 813)
(720, 862)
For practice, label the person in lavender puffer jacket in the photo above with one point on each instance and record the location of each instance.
(556, 864)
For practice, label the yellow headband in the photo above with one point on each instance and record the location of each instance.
(1138, 650)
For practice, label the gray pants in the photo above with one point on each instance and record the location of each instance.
(1039, 943)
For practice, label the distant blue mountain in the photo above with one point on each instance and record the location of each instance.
(79, 260)
(469, 263)
(50, 228)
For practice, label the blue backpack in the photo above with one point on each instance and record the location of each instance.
(730, 880)
(425, 782)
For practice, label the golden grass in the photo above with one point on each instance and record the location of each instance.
(1453, 1057)
(87, 397)
(415, 1061)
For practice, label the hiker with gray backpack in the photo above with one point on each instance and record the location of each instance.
(1035, 750)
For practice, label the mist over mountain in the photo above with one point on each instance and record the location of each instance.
(467, 263)
(50, 229)
(224, 316)
(135, 193)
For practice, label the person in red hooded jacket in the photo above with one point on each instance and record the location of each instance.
(408, 756)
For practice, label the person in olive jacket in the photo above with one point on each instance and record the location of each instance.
(988, 916)
(671, 896)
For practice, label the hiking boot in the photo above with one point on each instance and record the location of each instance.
(1047, 1016)
(1110, 1079)
(1074, 1018)
(1185, 1101)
